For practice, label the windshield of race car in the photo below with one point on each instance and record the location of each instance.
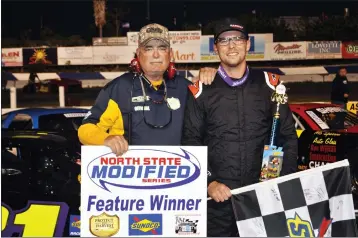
(60, 122)
(335, 118)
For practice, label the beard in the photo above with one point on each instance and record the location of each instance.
(233, 62)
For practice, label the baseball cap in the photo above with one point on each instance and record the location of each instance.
(229, 24)
(153, 31)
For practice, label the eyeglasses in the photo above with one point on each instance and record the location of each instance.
(238, 40)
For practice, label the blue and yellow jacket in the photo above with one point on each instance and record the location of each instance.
(120, 110)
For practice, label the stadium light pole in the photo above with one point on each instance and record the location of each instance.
(346, 12)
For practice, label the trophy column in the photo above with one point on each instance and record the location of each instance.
(273, 155)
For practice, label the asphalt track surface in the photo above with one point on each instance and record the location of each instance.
(297, 93)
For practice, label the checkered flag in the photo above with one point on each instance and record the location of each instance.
(312, 203)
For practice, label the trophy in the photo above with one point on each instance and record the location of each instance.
(273, 155)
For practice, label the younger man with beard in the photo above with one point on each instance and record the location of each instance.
(233, 117)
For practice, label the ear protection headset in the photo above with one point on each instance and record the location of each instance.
(169, 73)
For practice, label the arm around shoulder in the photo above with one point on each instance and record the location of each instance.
(194, 118)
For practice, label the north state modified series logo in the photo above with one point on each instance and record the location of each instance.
(144, 169)
(145, 224)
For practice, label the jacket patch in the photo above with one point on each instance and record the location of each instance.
(272, 80)
(196, 89)
(141, 108)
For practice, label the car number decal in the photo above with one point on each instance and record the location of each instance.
(46, 219)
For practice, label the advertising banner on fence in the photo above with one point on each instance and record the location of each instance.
(39, 56)
(207, 53)
(350, 50)
(75, 55)
(149, 191)
(108, 41)
(11, 57)
(132, 38)
(324, 50)
(287, 50)
(113, 54)
(176, 37)
(185, 37)
(257, 50)
(186, 53)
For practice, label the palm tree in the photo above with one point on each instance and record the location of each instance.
(99, 8)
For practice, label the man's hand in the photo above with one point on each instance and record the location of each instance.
(218, 191)
(118, 144)
(206, 75)
(346, 95)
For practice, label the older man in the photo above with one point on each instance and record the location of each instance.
(145, 107)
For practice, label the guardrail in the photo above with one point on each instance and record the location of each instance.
(13, 98)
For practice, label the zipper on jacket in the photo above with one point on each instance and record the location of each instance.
(240, 104)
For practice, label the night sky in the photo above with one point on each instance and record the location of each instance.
(76, 17)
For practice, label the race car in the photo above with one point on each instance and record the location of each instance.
(44, 118)
(327, 133)
(52, 86)
(307, 117)
(40, 183)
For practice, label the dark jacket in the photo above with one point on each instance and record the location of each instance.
(235, 124)
(340, 86)
(120, 110)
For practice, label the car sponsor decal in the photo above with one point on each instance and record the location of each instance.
(299, 132)
(75, 225)
(323, 149)
(71, 115)
(325, 110)
(353, 107)
(317, 120)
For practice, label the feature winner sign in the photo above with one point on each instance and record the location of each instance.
(148, 191)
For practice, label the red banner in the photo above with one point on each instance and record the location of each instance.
(350, 50)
